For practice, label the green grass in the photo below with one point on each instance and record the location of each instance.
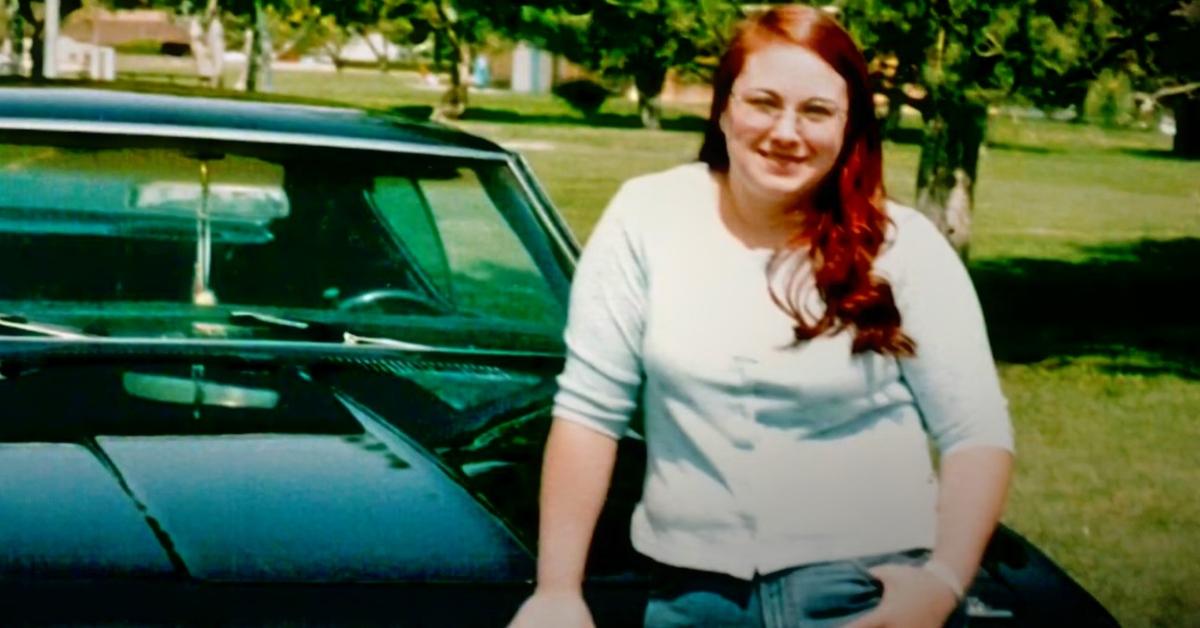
(1086, 244)
(1106, 483)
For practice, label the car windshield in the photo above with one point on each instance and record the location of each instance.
(161, 238)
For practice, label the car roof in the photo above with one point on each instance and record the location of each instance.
(101, 110)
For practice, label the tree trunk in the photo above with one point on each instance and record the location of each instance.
(949, 163)
(454, 101)
(16, 39)
(214, 34)
(258, 57)
(381, 57)
(649, 81)
(252, 58)
(335, 55)
(37, 53)
(1187, 125)
(895, 111)
(266, 48)
(650, 111)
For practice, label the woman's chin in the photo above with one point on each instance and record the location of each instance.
(781, 185)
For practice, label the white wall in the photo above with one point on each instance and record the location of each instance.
(532, 69)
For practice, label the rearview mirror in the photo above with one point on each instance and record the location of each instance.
(226, 201)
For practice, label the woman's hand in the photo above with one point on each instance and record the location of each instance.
(553, 609)
(912, 598)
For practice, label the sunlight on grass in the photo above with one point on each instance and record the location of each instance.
(1106, 481)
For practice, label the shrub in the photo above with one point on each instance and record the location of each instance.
(1110, 100)
(142, 47)
(583, 95)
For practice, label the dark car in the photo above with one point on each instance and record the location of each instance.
(287, 364)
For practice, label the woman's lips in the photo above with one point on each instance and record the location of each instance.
(779, 160)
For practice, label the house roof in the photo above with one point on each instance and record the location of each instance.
(110, 28)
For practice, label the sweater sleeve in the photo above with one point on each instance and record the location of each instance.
(600, 381)
(953, 376)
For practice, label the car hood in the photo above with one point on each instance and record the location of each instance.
(96, 481)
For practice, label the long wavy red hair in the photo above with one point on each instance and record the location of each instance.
(846, 229)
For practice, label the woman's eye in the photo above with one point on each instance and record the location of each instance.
(765, 105)
(817, 112)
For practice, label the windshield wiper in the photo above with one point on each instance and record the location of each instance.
(324, 332)
(20, 323)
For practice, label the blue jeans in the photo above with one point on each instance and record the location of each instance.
(819, 595)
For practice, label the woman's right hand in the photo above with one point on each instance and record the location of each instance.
(553, 609)
(576, 471)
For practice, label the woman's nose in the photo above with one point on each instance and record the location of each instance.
(786, 128)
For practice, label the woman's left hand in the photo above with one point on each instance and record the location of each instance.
(912, 598)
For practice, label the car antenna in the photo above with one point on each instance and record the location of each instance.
(202, 294)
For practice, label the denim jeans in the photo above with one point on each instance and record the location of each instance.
(819, 595)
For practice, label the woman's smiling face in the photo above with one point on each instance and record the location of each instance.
(785, 123)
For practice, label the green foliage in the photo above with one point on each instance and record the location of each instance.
(956, 49)
(968, 54)
(140, 47)
(1043, 51)
(638, 40)
(1110, 100)
(298, 26)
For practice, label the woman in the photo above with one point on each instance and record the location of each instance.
(794, 341)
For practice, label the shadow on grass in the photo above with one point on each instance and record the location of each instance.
(914, 136)
(1130, 303)
(906, 135)
(412, 112)
(1023, 148)
(685, 122)
(1159, 153)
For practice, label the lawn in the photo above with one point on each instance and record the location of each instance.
(1086, 243)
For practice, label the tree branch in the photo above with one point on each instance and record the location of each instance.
(995, 48)
(1121, 45)
(1175, 90)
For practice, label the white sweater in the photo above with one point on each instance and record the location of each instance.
(763, 456)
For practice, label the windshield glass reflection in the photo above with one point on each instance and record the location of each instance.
(168, 240)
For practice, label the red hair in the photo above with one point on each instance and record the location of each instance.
(846, 230)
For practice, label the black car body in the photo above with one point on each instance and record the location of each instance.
(278, 364)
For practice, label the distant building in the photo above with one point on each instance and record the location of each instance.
(370, 49)
(97, 26)
(84, 60)
(532, 69)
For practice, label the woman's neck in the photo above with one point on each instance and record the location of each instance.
(755, 220)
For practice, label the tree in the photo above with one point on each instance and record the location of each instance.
(458, 27)
(1153, 42)
(33, 13)
(300, 25)
(966, 55)
(208, 40)
(629, 39)
(259, 51)
(12, 35)
(363, 18)
(1169, 68)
